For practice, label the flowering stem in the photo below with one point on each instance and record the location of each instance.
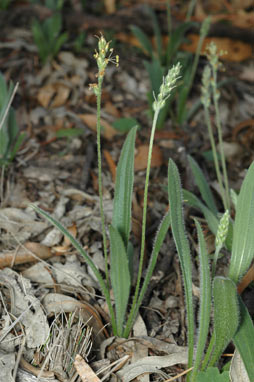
(215, 156)
(143, 235)
(100, 80)
(221, 148)
(168, 84)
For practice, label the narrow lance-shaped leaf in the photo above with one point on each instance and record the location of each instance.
(87, 258)
(124, 187)
(244, 339)
(193, 201)
(226, 314)
(182, 245)
(143, 39)
(159, 238)
(212, 374)
(211, 219)
(119, 276)
(157, 32)
(205, 301)
(243, 238)
(202, 184)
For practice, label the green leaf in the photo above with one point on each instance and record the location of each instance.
(157, 31)
(123, 188)
(205, 301)
(143, 40)
(244, 340)
(156, 72)
(124, 125)
(119, 276)
(159, 238)
(4, 94)
(4, 4)
(211, 219)
(20, 139)
(12, 125)
(243, 238)
(212, 374)
(8, 125)
(87, 258)
(176, 39)
(59, 42)
(52, 26)
(182, 246)
(69, 133)
(202, 184)
(226, 314)
(40, 41)
(193, 201)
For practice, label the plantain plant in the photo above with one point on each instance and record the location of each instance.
(10, 138)
(231, 320)
(118, 276)
(160, 59)
(48, 37)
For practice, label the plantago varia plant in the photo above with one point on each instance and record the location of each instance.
(118, 275)
(231, 320)
(10, 138)
(210, 94)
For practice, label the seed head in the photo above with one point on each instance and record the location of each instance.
(222, 230)
(168, 84)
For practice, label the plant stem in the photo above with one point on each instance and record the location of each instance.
(203, 33)
(143, 235)
(169, 20)
(190, 10)
(100, 80)
(208, 352)
(216, 255)
(221, 148)
(215, 156)
(183, 99)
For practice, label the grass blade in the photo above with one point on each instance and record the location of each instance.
(243, 238)
(124, 187)
(182, 245)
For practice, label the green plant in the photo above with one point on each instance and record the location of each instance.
(210, 93)
(119, 275)
(161, 59)
(124, 125)
(54, 5)
(4, 4)
(79, 42)
(48, 37)
(231, 319)
(10, 139)
(209, 86)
